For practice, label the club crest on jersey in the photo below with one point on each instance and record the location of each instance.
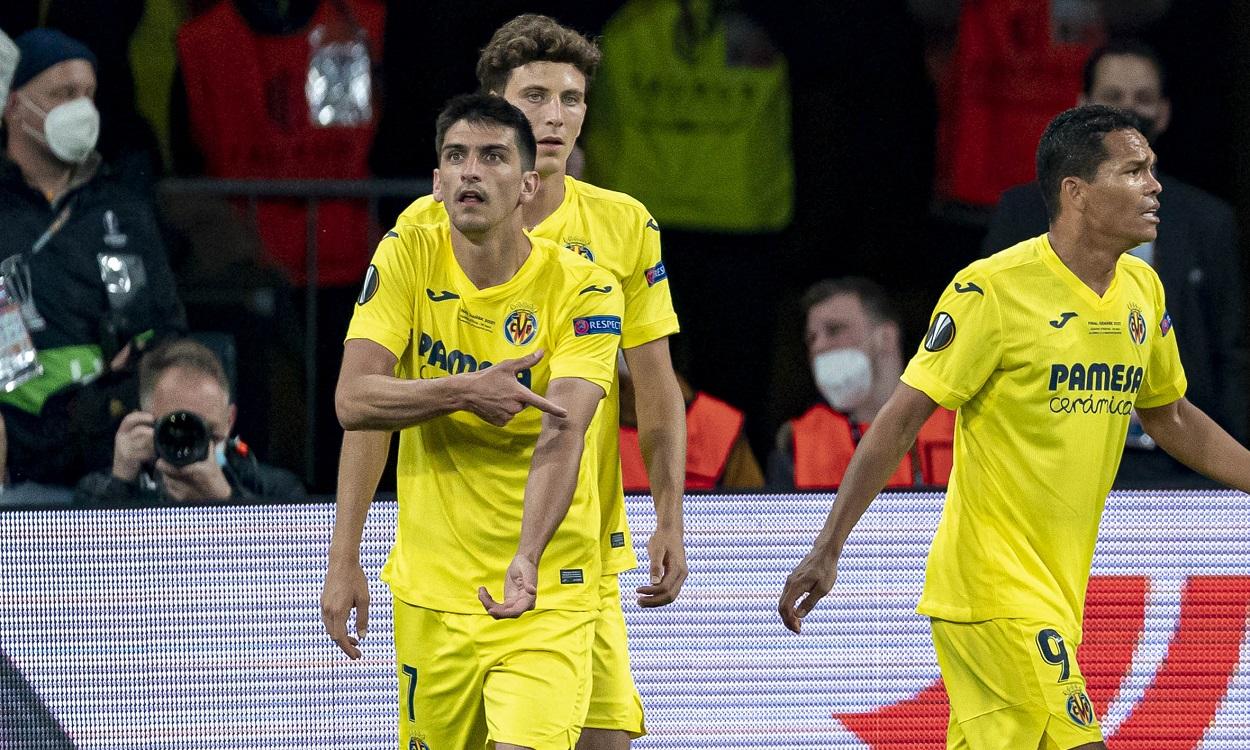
(416, 743)
(521, 325)
(1165, 325)
(1136, 325)
(941, 332)
(581, 248)
(1080, 710)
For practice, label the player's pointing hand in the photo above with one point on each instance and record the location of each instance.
(812, 579)
(497, 396)
(520, 590)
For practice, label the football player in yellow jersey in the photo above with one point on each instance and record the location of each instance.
(1044, 349)
(458, 329)
(544, 69)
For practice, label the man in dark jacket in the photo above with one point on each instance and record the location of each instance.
(158, 455)
(1195, 254)
(84, 257)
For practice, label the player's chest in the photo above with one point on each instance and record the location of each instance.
(1060, 343)
(457, 331)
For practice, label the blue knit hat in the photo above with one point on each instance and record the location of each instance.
(43, 48)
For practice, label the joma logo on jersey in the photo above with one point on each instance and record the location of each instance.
(1096, 376)
(520, 326)
(455, 362)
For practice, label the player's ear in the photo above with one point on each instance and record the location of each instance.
(1072, 192)
(437, 192)
(529, 186)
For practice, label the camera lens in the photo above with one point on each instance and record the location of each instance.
(182, 438)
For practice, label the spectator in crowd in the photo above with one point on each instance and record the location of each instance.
(180, 378)
(84, 257)
(854, 347)
(1195, 254)
(297, 103)
(718, 456)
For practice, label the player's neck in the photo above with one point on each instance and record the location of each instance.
(548, 198)
(491, 257)
(1091, 257)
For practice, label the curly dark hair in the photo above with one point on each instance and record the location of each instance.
(533, 38)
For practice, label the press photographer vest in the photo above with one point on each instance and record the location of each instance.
(692, 125)
(712, 426)
(250, 116)
(825, 440)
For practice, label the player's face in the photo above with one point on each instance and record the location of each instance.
(1123, 199)
(839, 322)
(553, 96)
(480, 178)
(1132, 83)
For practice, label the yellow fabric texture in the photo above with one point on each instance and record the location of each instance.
(1013, 684)
(466, 679)
(461, 481)
(1044, 374)
(616, 232)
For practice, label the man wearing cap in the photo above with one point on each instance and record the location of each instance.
(83, 256)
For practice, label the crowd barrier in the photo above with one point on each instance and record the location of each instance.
(198, 627)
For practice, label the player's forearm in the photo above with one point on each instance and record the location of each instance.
(1195, 440)
(662, 438)
(361, 463)
(549, 489)
(382, 402)
(878, 455)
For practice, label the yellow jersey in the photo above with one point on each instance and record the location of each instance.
(460, 480)
(1044, 374)
(616, 232)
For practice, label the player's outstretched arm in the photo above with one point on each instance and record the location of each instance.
(1194, 439)
(361, 463)
(892, 434)
(548, 491)
(662, 437)
(370, 397)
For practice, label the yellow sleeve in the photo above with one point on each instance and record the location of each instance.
(648, 302)
(1165, 377)
(424, 210)
(963, 345)
(386, 308)
(590, 334)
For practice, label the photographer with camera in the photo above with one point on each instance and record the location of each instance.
(177, 447)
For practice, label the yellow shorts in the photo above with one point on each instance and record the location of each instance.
(466, 680)
(614, 701)
(1013, 684)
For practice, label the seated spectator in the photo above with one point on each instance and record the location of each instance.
(854, 349)
(184, 377)
(84, 258)
(718, 456)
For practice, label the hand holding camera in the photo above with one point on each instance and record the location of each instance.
(179, 446)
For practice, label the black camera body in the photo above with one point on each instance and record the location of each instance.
(182, 438)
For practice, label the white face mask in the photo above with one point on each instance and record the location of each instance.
(8, 66)
(70, 130)
(844, 377)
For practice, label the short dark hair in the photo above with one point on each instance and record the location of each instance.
(533, 38)
(478, 109)
(1127, 46)
(1073, 145)
(187, 354)
(871, 295)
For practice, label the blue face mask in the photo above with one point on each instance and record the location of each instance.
(221, 453)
